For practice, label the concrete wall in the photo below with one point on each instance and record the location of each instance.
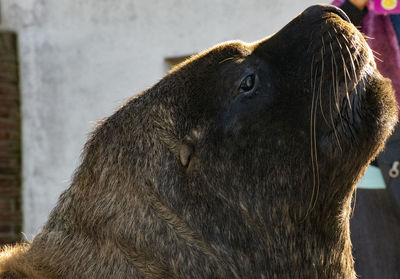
(80, 59)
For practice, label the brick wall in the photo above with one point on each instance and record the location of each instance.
(10, 141)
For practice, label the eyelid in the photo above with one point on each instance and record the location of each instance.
(253, 77)
(238, 92)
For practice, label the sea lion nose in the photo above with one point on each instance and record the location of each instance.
(317, 11)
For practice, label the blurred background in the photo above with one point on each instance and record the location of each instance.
(66, 64)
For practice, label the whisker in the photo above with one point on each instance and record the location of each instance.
(377, 53)
(333, 124)
(340, 45)
(312, 115)
(353, 208)
(345, 80)
(313, 136)
(316, 151)
(377, 58)
(313, 163)
(335, 85)
(334, 77)
(368, 37)
(352, 63)
(320, 83)
(316, 160)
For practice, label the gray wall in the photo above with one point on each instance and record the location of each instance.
(80, 59)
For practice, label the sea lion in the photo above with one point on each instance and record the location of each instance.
(241, 162)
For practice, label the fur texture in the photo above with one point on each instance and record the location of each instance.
(240, 163)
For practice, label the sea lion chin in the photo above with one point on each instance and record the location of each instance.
(241, 162)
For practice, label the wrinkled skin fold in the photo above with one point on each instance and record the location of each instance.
(240, 163)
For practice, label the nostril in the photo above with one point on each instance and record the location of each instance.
(319, 10)
(341, 13)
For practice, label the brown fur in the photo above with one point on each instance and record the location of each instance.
(201, 177)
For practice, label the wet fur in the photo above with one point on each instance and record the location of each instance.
(192, 179)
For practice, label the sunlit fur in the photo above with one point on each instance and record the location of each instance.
(194, 178)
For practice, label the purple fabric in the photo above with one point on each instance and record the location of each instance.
(382, 38)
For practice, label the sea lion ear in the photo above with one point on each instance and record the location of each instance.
(186, 148)
(185, 153)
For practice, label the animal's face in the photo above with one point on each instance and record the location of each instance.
(301, 111)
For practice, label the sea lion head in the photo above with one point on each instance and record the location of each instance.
(290, 121)
(240, 162)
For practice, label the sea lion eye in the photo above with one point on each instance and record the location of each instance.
(247, 83)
